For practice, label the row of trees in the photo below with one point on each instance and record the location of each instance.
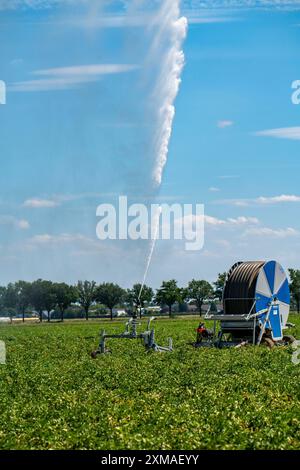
(46, 296)
(295, 287)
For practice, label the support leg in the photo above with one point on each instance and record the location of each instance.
(263, 328)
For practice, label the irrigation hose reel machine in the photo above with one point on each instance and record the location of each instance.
(256, 304)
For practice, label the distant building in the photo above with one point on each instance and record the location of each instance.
(119, 312)
(153, 309)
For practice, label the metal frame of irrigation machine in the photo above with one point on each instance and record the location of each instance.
(131, 332)
(268, 284)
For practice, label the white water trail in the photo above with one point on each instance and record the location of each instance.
(172, 30)
(166, 50)
(152, 246)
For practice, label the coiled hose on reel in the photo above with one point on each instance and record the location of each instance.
(239, 291)
(259, 282)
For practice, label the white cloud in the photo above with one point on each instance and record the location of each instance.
(228, 177)
(62, 78)
(75, 243)
(61, 238)
(192, 224)
(261, 200)
(241, 4)
(213, 189)
(242, 220)
(33, 4)
(55, 200)
(214, 221)
(21, 224)
(225, 123)
(40, 203)
(276, 199)
(269, 232)
(189, 5)
(238, 202)
(291, 133)
(247, 227)
(230, 221)
(209, 19)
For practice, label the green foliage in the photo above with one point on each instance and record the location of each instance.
(65, 295)
(139, 296)
(295, 286)
(42, 297)
(23, 290)
(54, 396)
(168, 294)
(2, 297)
(199, 291)
(219, 285)
(86, 295)
(8, 299)
(110, 295)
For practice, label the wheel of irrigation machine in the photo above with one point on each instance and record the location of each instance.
(288, 339)
(260, 280)
(267, 342)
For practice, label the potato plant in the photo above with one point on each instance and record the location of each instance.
(54, 396)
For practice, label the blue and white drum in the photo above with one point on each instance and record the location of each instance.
(272, 285)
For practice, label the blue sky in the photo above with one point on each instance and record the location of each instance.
(78, 126)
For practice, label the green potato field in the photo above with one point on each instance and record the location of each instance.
(53, 395)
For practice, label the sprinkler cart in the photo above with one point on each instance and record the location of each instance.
(131, 332)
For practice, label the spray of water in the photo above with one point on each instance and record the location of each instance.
(171, 31)
(152, 246)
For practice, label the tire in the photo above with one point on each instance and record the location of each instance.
(268, 342)
(289, 339)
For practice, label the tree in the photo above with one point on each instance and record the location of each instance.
(199, 291)
(139, 295)
(168, 294)
(2, 297)
(86, 294)
(42, 297)
(64, 296)
(23, 290)
(110, 295)
(10, 298)
(49, 297)
(219, 285)
(295, 286)
(36, 296)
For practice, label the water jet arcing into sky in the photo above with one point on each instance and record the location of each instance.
(152, 246)
(171, 31)
(167, 44)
